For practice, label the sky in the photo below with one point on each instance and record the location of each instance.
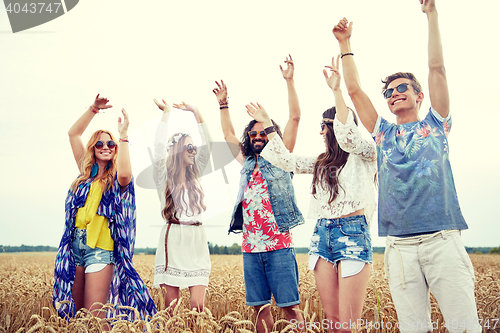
(133, 52)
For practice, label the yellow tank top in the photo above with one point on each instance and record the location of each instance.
(98, 233)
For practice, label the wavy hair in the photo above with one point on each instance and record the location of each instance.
(330, 163)
(89, 159)
(246, 144)
(174, 194)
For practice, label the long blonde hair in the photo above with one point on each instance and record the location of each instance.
(88, 160)
(174, 194)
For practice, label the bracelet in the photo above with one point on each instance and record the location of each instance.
(344, 54)
(123, 140)
(224, 107)
(269, 130)
(94, 110)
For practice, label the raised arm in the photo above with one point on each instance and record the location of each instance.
(292, 125)
(203, 155)
(160, 150)
(438, 85)
(76, 131)
(333, 82)
(275, 151)
(124, 168)
(364, 107)
(347, 133)
(225, 120)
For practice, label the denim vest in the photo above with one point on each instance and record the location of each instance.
(281, 194)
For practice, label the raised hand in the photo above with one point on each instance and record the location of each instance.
(288, 72)
(428, 5)
(257, 112)
(185, 107)
(164, 107)
(221, 92)
(123, 126)
(333, 81)
(343, 29)
(101, 103)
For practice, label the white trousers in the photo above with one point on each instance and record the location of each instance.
(436, 262)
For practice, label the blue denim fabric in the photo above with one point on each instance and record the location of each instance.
(281, 194)
(84, 255)
(343, 238)
(273, 272)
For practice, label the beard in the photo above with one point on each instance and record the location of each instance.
(257, 150)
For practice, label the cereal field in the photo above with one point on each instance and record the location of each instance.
(26, 292)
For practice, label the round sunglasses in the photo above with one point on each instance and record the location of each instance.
(100, 144)
(190, 148)
(400, 88)
(253, 134)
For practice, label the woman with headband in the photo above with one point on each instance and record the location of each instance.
(182, 258)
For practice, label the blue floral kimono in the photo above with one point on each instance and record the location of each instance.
(127, 287)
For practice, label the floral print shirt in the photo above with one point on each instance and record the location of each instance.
(260, 231)
(416, 188)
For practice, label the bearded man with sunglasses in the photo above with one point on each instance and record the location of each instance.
(265, 211)
(418, 206)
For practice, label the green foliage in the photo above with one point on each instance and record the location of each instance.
(232, 250)
(495, 250)
(146, 250)
(27, 248)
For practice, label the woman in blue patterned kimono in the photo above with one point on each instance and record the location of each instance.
(94, 261)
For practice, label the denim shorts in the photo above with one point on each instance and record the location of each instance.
(271, 273)
(84, 255)
(346, 238)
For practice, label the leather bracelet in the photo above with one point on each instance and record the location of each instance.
(94, 110)
(123, 140)
(224, 107)
(344, 54)
(269, 130)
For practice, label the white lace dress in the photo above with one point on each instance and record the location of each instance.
(357, 178)
(187, 246)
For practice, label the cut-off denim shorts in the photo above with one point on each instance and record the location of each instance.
(346, 238)
(271, 273)
(84, 255)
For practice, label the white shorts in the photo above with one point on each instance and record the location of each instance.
(437, 262)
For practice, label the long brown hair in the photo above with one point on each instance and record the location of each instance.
(329, 164)
(174, 194)
(89, 159)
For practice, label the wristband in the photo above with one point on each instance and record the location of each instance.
(269, 130)
(344, 54)
(224, 107)
(123, 140)
(96, 111)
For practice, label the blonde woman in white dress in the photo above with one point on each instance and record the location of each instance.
(182, 257)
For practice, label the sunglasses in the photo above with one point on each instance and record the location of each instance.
(401, 89)
(190, 148)
(253, 134)
(111, 144)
